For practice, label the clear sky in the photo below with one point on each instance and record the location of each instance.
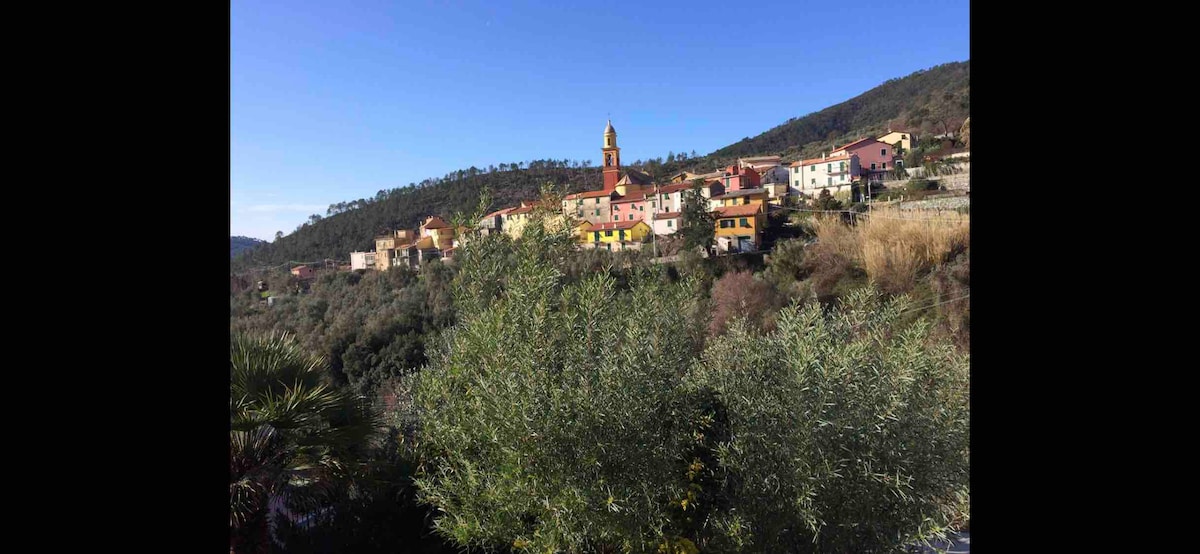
(334, 101)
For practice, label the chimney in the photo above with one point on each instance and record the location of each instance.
(822, 155)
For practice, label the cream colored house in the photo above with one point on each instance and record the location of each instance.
(906, 140)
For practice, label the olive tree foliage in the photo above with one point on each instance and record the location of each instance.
(584, 415)
(849, 430)
(551, 420)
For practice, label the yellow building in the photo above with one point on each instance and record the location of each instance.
(739, 227)
(614, 235)
(905, 139)
(385, 247)
(744, 197)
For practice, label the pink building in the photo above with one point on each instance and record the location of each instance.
(634, 207)
(737, 178)
(874, 157)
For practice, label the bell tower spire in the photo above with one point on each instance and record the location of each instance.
(612, 158)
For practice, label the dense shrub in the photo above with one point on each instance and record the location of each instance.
(849, 432)
(552, 419)
(580, 417)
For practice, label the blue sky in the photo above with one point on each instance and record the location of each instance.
(334, 101)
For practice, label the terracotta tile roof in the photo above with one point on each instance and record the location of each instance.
(435, 222)
(738, 211)
(740, 193)
(855, 143)
(674, 188)
(813, 161)
(611, 225)
(668, 215)
(499, 212)
(588, 194)
(299, 267)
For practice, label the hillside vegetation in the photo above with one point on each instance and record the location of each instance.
(935, 100)
(238, 244)
(352, 226)
(932, 101)
(536, 397)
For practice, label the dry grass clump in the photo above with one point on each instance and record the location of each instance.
(895, 248)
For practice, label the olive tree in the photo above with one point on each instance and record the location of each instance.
(849, 429)
(552, 418)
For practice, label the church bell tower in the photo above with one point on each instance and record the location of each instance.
(612, 158)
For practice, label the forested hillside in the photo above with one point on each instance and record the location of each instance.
(238, 244)
(936, 100)
(352, 226)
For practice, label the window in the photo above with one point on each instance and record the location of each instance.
(726, 223)
(842, 166)
(828, 168)
(608, 233)
(630, 217)
(608, 245)
(621, 235)
(670, 223)
(597, 212)
(596, 236)
(883, 151)
(643, 208)
(616, 208)
(872, 166)
(743, 222)
(814, 181)
(745, 200)
(616, 218)
(828, 181)
(885, 165)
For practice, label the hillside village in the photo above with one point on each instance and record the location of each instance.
(631, 208)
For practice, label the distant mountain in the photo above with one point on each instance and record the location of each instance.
(238, 244)
(934, 100)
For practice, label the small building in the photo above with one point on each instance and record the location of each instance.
(592, 206)
(902, 139)
(739, 228)
(615, 235)
(494, 222)
(362, 260)
(832, 173)
(634, 207)
(875, 158)
(737, 178)
(666, 223)
(742, 197)
(302, 271)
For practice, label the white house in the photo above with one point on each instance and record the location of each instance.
(362, 260)
(832, 173)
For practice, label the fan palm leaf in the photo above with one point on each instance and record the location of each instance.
(292, 433)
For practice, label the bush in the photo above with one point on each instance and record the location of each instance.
(579, 417)
(826, 456)
(552, 420)
(920, 184)
(740, 294)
